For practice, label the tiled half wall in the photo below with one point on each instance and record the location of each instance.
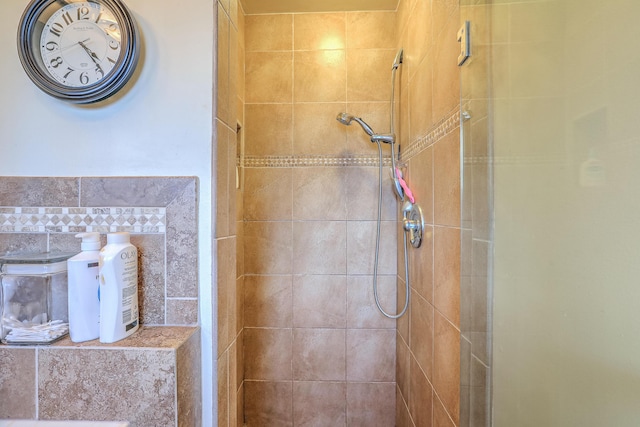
(151, 378)
(44, 214)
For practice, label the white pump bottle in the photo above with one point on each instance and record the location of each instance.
(84, 303)
(118, 288)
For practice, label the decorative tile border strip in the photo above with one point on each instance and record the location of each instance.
(306, 161)
(516, 160)
(149, 220)
(442, 128)
(439, 130)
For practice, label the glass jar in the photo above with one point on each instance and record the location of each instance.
(34, 298)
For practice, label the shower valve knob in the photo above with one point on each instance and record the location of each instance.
(410, 225)
(413, 223)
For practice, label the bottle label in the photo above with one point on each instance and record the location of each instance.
(131, 325)
(130, 289)
(128, 294)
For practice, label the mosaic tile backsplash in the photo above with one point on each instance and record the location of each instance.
(80, 220)
(44, 214)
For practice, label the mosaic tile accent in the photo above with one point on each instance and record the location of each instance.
(442, 128)
(149, 220)
(305, 161)
(516, 160)
(439, 130)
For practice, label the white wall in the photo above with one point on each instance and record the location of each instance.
(161, 126)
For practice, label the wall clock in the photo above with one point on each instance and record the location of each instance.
(81, 51)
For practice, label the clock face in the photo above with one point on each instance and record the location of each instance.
(80, 44)
(80, 51)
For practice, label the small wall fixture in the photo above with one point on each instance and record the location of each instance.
(465, 43)
(413, 223)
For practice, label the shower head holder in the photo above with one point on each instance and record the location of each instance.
(387, 138)
(346, 119)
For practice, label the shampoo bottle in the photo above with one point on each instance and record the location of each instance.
(118, 288)
(84, 305)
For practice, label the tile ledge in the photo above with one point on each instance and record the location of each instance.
(147, 337)
(40, 423)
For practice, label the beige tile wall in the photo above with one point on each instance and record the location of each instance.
(229, 231)
(316, 350)
(310, 325)
(19, 396)
(428, 340)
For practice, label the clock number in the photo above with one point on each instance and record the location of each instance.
(67, 18)
(113, 44)
(98, 70)
(56, 29)
(51, 46)
(69, 71)
(113, 61)
(55, 62)
(83, 13)
(84, 78)
(98, 18)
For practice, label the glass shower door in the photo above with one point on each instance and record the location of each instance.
(476, 227)
(566, 186)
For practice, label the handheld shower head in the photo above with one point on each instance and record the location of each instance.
(346, 119)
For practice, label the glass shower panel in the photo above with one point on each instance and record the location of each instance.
(566, 270)
(476, 232)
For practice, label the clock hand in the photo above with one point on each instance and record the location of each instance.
(92, 55)
(69, 46)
